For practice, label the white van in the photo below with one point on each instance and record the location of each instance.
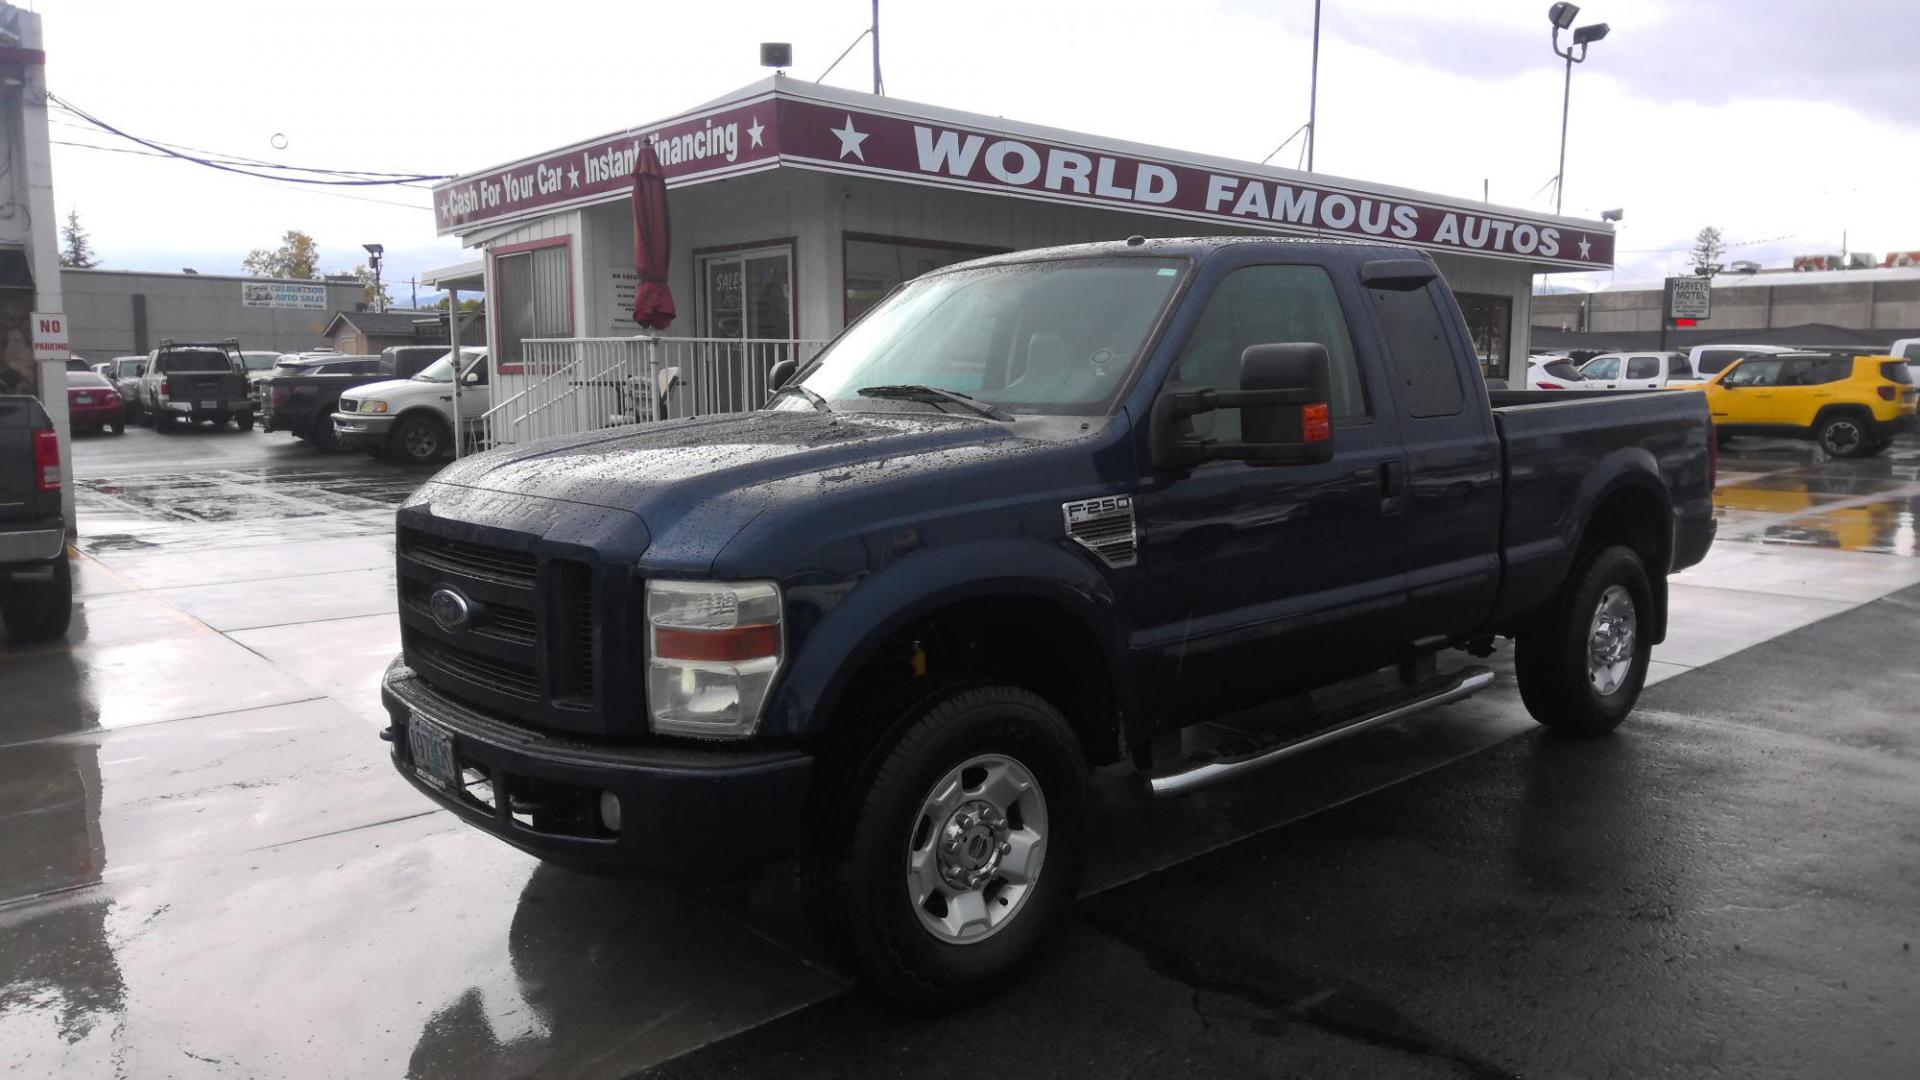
(1706, 361)
(1908, 349)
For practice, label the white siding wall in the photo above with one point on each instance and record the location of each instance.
(1495, 277)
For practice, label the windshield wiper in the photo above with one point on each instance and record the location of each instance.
(933, 395)
(819, 402)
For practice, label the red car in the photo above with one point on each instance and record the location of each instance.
(93, 404)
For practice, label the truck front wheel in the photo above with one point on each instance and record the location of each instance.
(943, 854)
(1582, 666)
(418, 440)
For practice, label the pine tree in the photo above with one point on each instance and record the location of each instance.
(76, 250)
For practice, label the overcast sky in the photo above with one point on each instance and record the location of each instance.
(1785, 122)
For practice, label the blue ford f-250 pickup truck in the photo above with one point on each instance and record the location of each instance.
(1026, 515)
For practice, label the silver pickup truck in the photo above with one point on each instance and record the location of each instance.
(194, 381)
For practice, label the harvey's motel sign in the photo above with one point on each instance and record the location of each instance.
(777, 129)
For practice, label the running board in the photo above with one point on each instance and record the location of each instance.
(1440, 690)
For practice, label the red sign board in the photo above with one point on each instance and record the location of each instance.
(733, 140)
(814, 134)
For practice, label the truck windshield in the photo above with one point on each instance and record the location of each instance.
(1058, 336)
(440, 370)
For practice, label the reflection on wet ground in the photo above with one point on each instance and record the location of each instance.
(209, 867)
(1792, 493)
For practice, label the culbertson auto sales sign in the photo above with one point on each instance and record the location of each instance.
(777, 129)
(283, 294)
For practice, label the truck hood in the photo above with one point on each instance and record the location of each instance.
(642, 467)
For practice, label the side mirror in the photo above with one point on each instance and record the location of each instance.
(1285, 418)
(778, 375)
(471, 378)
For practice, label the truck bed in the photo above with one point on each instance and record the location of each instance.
(1561, 447)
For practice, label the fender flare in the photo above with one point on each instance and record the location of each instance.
(1629, 468)
(854, 627)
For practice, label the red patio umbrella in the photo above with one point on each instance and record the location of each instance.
(652, 243)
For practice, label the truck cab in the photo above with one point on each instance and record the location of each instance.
(1030, 514)
(190, 381)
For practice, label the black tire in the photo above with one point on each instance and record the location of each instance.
(243, 421)
(419, 440)
(323, 437)
(866, 819)
(1844, 435)
(119, 427)
(1722, 438)
(38, 610)
(162, 423)
(1551, 658)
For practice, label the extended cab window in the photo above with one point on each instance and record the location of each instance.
(1267, 305)
(1643, 367)
(1422, 353)
(1602, 367)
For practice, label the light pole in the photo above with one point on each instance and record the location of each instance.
(1561, 15)
(374, 251)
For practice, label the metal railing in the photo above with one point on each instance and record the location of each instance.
(585, 384)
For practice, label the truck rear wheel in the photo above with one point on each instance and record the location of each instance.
(943, 853)
(38, 610)
(1582, 666)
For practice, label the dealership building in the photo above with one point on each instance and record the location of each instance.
(795, 206)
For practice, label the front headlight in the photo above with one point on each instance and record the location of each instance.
(713, 648)
(373, 405)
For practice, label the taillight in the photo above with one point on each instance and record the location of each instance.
(1887, 393)
(46, 460)
(1545, 385)
(164, 392)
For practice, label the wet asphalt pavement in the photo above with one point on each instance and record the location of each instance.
(207, 866)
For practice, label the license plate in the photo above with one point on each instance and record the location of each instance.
(432, 749)
(83, 399)
(209, 404)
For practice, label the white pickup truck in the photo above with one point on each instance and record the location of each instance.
(412, 419)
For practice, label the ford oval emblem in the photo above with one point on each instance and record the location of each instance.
(449, 609)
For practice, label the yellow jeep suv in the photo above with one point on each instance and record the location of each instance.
(1852, 406)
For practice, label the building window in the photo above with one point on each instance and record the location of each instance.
(875, 264)
(532, 298)
(1488, 320)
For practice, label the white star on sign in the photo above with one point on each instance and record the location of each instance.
(850, 139)
(754, 131)
(1585, 248)
(573, 176)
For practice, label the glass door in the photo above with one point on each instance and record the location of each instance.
(746, 297)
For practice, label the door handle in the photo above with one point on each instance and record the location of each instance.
(1393, 481)
(1393, 478)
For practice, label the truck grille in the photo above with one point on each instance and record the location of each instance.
(501, 676)
(523, 640)
(473, 560)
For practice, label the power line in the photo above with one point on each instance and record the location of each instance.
(150, 154)
(326, 177)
